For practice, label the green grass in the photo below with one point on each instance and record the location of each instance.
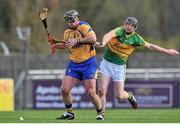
(89, 115)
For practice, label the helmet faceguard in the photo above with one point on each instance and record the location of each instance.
(133, 21)
(71, 16)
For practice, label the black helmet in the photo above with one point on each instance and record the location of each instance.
(133, 21)
(71, 16)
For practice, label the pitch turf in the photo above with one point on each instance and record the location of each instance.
(89, 115)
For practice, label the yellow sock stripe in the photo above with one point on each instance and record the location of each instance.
(69, 110)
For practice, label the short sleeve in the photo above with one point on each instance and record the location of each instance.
(86, 29)
(119, 31)
(139, 41)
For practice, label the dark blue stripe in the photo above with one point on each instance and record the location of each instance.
(82, 22)
(90, 29)
(85, 23)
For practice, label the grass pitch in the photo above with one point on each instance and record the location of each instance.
(89, 116)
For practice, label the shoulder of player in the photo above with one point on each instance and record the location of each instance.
(137, 36)
(83, 23)
(120, 28)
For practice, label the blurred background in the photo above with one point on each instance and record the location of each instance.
(30, 74)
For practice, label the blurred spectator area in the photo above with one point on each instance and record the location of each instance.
(141, 66)
(10, 66)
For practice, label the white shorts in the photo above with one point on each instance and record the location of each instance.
(114, 71)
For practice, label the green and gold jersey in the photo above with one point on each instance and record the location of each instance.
(120, 47)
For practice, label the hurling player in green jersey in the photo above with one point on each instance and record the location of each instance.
(121, 42)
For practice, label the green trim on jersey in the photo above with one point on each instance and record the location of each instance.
(113, 57)
(120, 47)
(133, 40)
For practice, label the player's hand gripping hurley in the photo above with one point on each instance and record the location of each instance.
(43, 13)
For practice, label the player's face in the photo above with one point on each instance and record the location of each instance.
(73, 25)
(129, 28)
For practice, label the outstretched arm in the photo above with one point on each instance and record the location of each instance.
(107, 37)
(172, 52)
(60, 46)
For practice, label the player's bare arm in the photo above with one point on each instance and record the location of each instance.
(60, 46)
(107, 37)
(89, 39)
(72, 42)
(172, 52)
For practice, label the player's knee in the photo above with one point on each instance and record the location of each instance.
(101, 92)
(65, 91)
(91, 92)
